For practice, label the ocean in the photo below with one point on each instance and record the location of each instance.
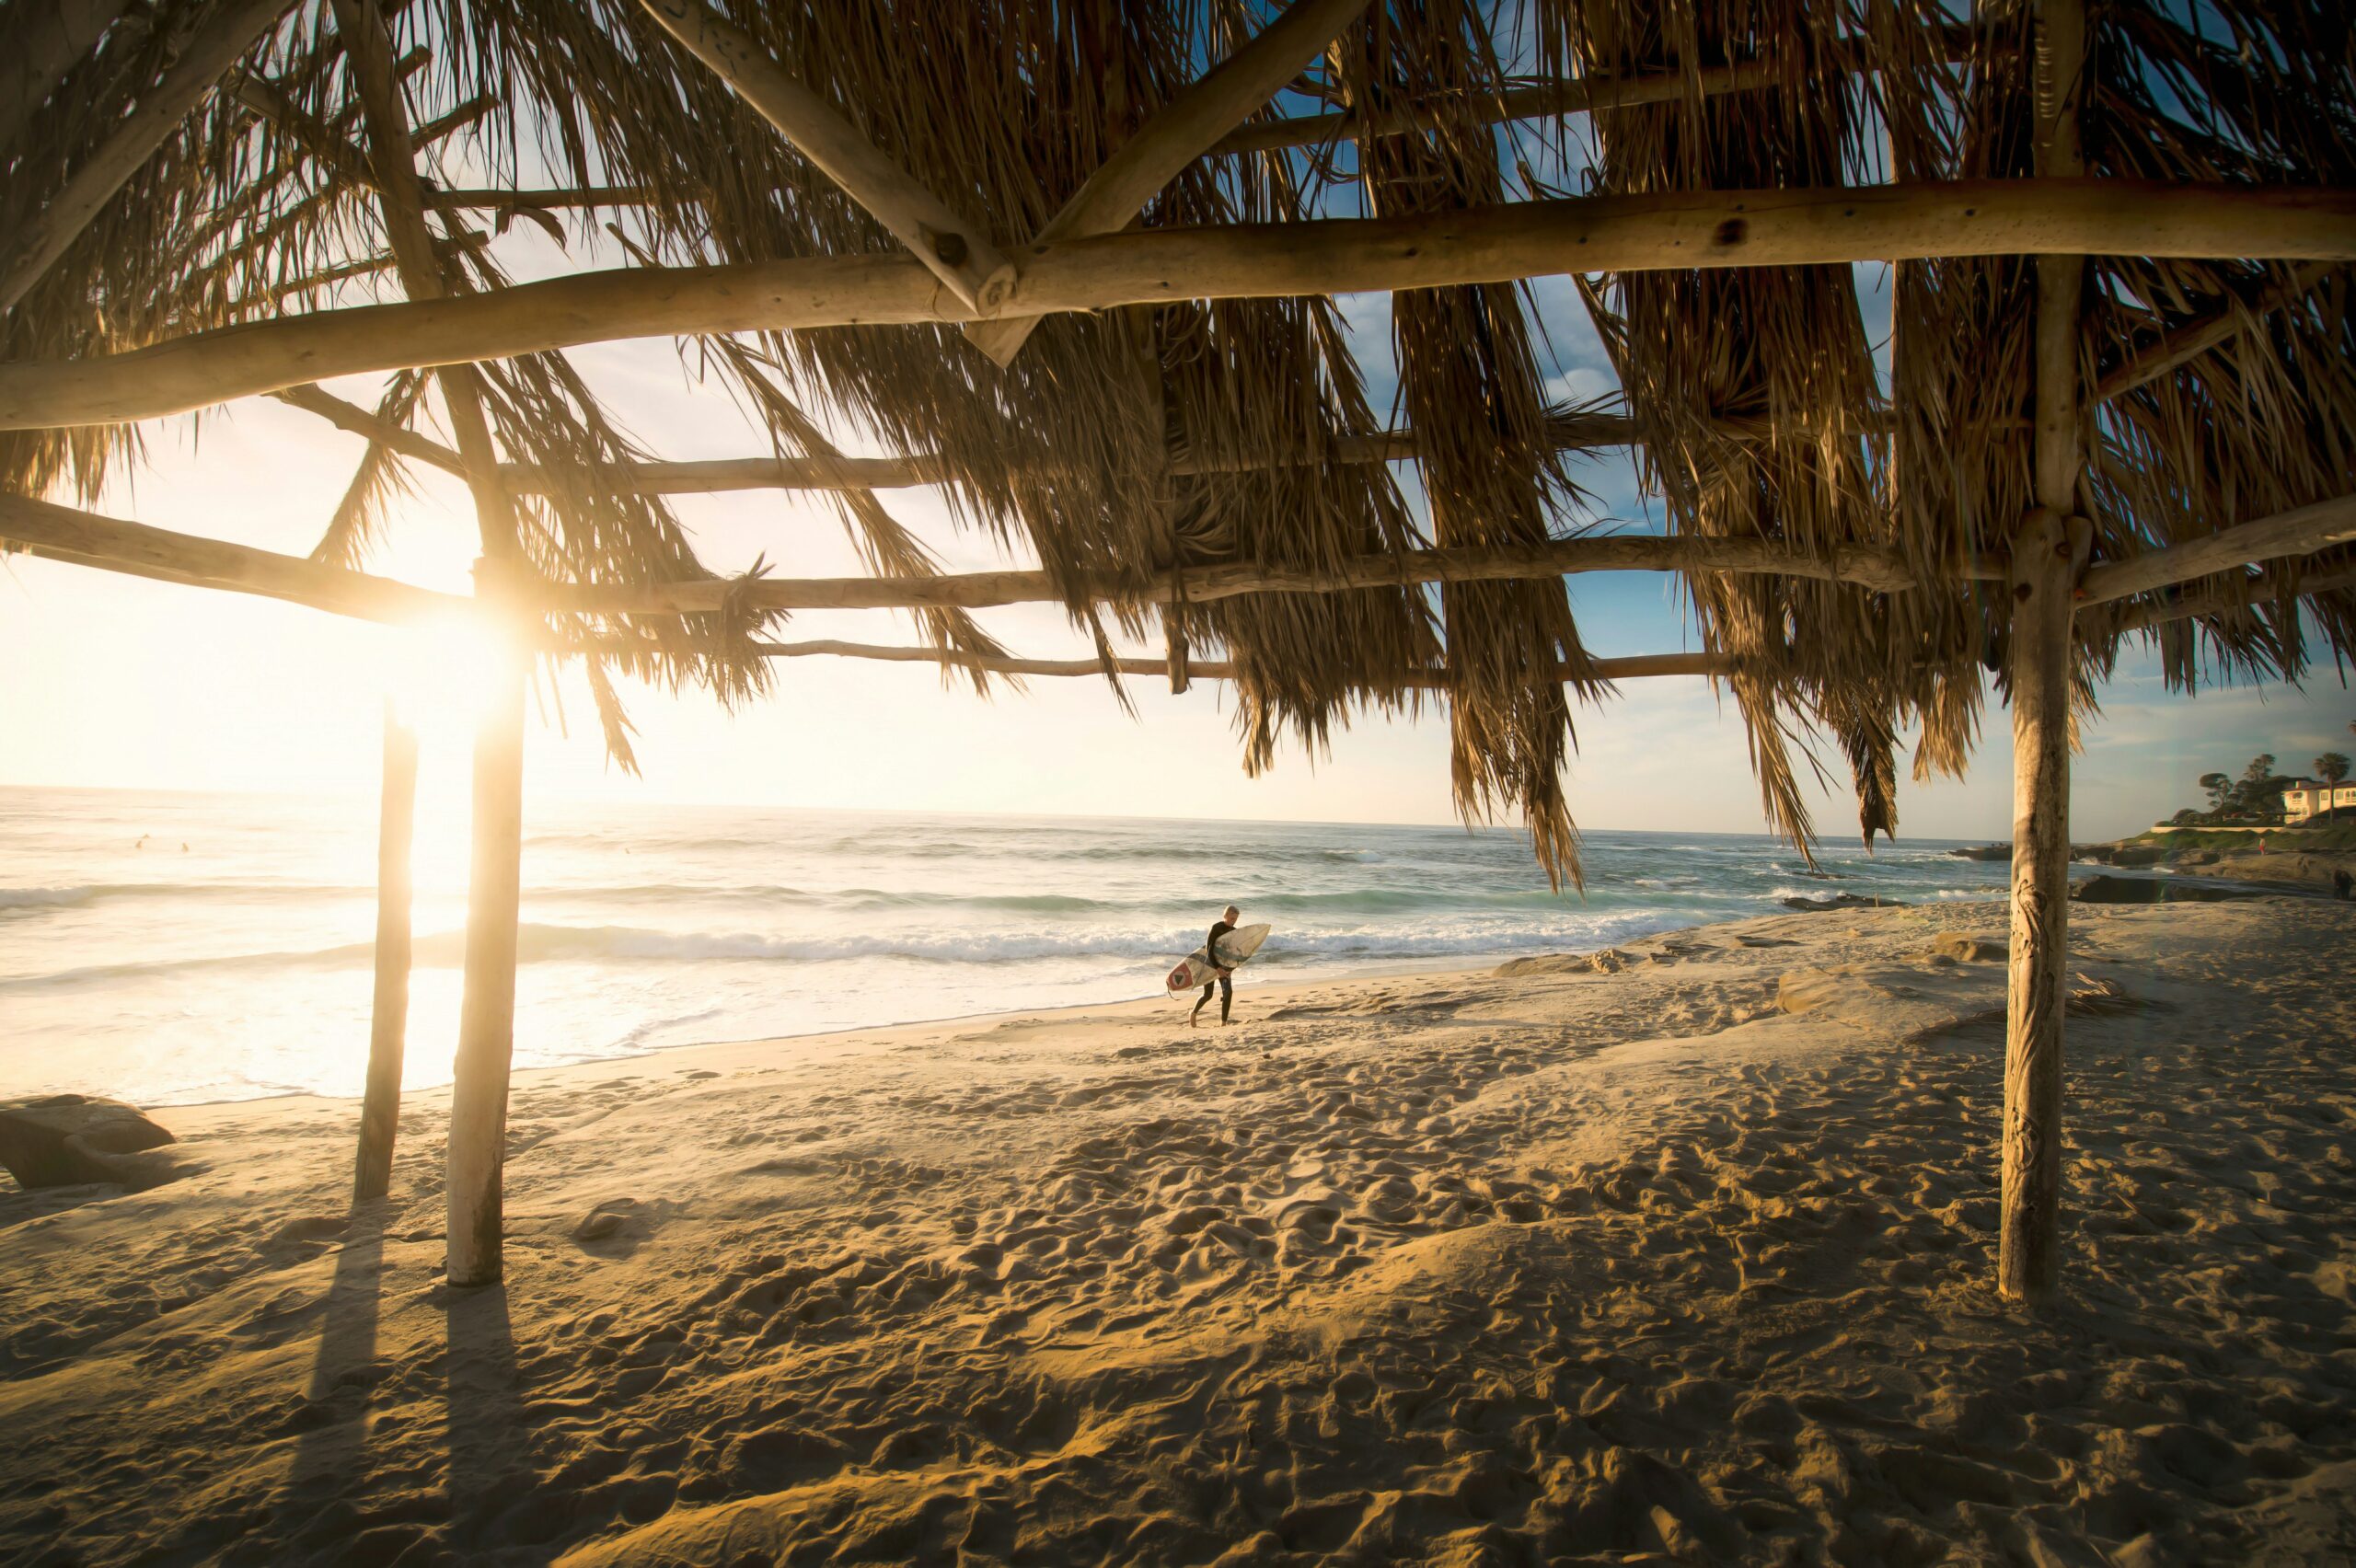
(169, 949)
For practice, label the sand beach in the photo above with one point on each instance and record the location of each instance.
(1677, 1252)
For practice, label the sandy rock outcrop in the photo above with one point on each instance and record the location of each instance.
(2121, 853)
(64, 1140)
(1971, 947)
(2154, 890)
(2310, 870)
(1607, 960)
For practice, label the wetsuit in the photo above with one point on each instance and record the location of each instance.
(1225, 983)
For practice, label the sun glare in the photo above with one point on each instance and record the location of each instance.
(443, 676)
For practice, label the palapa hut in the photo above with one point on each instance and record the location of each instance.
(1077, 262)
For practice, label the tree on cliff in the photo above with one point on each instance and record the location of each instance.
(2258, 792)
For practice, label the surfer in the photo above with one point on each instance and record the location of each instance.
(1226, 981)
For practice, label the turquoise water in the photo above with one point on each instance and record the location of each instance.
(239, 965)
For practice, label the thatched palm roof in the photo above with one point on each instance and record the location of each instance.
(1126, 445)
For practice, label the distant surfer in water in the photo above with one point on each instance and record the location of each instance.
(1225, 983)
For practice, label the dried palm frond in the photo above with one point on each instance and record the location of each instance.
(882, 542)
(1755, 389)
(1468, 376)
(359, 517)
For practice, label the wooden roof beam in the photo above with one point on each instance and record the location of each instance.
(41, 524)
(1581, 96)
(364, 267)
(61, 533)
(343, 159)
(957, 252)
(710, 476)
(2149, 614)
(1181, 132)
(445, 246)
(591, 196)
(1517, 103)
(442, 127)
(2193, 338)
(47, 38)
(362, 422)
(1635, 667)
(109, 544)
(216, 44)
(2303, 530)
(392, 156)
(1497, 243)
(1881, 570)
(346, 159)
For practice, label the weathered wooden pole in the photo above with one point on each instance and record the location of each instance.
(1179, 660)
(380, 1107)
(477, 1161)
(477, 1155)
(2041, 644)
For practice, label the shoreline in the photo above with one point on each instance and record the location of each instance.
(734, 1051)
(1444, 968)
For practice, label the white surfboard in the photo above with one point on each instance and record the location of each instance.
(1196, 969)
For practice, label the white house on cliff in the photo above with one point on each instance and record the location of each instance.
(2311, 797)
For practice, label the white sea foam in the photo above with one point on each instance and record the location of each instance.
(44, 897)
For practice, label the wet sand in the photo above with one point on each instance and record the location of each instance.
(1680, 1253)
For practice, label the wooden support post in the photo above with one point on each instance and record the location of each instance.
(1173, 632)
(478, 1154)
(487, 1007)
(2042, 646)
(2042, 649)
(380, 1108)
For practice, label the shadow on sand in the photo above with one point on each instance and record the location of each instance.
(333, 1486)
(335, 1408)
(490, 1472)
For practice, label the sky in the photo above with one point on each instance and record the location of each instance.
(118, 681)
